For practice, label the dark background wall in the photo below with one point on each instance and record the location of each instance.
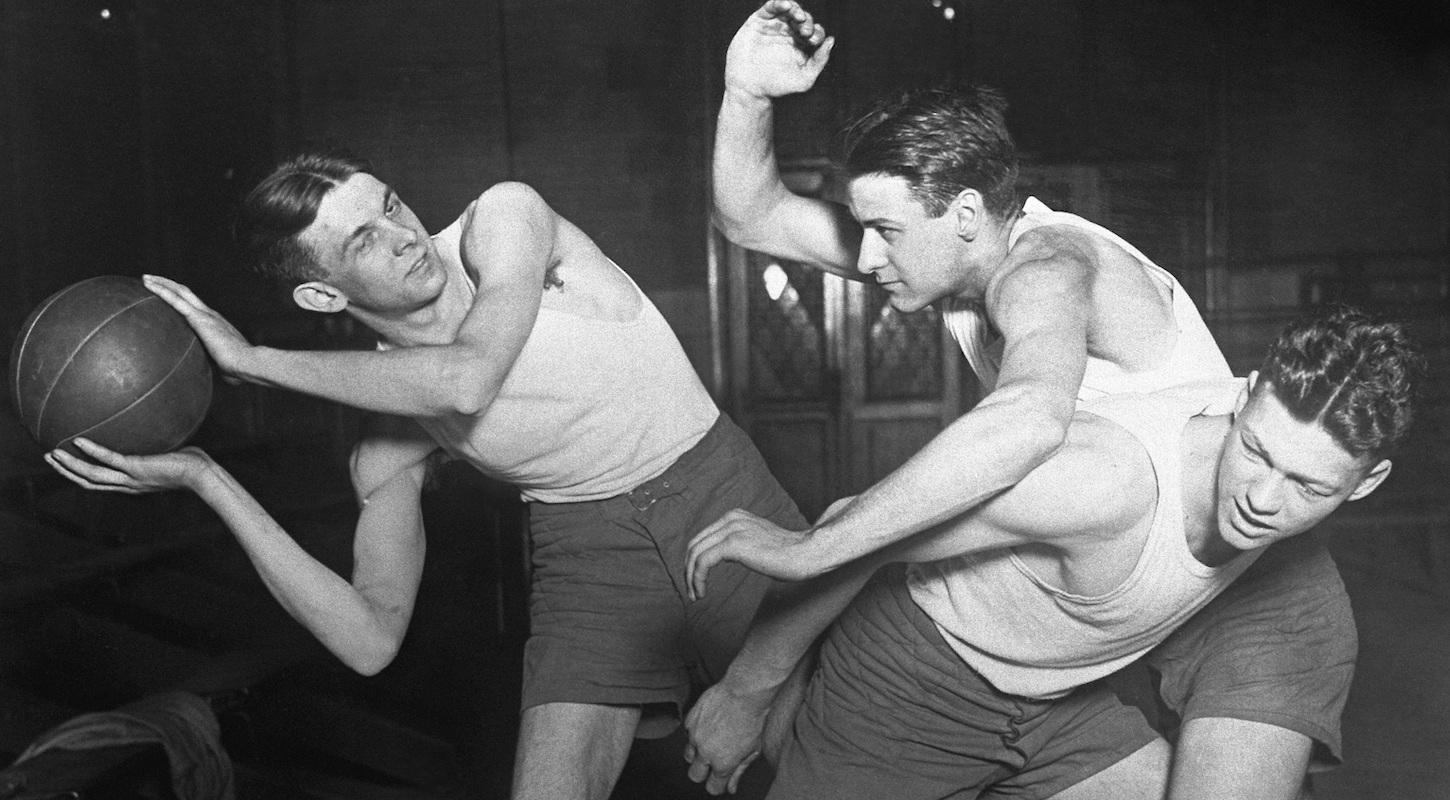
(1273, 155)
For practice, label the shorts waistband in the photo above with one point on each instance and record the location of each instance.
(673, 480)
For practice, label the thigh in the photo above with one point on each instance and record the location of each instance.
(572, 751)
(605, 619)
(1220, 757)
(730, 475)
(1141, 776)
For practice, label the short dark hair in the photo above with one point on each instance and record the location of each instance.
(282, 205)
(942, 140)
(1357, 376)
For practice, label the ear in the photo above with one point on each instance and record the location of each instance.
(1371, 481)
(319, 296)
(970, 213)
(1244, 393)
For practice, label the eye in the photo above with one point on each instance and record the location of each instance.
(392, 207)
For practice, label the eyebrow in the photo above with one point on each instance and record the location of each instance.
(388, 195)
(1252, 442)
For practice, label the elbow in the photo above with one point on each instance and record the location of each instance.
(1043, 434)
(738, 228)
(467, 387)
(372, 656)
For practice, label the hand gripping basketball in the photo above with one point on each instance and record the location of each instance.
(106, 359)
(224, 343)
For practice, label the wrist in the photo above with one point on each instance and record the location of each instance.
(254, 363)
(755, 688)
(739, 95)
(207, 477)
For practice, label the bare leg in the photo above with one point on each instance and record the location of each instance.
(1144, 774)
(1228, 759)
(572, 751)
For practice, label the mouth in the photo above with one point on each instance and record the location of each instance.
(1251, 527)
(422, 259)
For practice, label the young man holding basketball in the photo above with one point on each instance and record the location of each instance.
(510, 341)
(1050, 311)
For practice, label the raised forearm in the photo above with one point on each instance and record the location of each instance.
(352, 628)
(747, 184)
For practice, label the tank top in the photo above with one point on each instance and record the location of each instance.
(1195, 354)
(1032, 639)
(591, 409)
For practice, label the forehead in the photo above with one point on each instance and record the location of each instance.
(356, 201)
(1300, 447)
(878, 196)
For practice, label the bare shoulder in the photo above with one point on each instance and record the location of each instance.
(1048, 245)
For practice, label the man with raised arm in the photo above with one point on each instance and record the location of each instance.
(972, 671)
(1050, 311)
(510, 341)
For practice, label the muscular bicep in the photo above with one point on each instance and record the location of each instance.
(1098, 483)
(510, 240)
(815, 232)
(388, 543)
(1042, 308)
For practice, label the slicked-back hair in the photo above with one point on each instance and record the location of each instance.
(1356, 376)
(282, 205)
(942, 140)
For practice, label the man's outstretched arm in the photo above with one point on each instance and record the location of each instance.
(1041, 310)
(362, 622)
(780, 50)
(510, 240)
(1084, 490)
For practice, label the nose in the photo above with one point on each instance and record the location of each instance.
(873, 253)
(1265, 495)
(404, 238)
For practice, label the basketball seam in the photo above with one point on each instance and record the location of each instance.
(40, 416)
(154, 387)
(39, 313)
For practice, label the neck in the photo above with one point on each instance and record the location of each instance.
(435, 323)
(986, 255)
(1203, 440)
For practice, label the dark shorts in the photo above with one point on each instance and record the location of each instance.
(1278, 647)
(893, 712)
(609, 619)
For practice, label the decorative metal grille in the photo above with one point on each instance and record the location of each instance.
(903, 351)
(787, 330)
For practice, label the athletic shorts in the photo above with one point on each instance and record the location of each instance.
(893, 712)
(610, 622)
(1277, 646)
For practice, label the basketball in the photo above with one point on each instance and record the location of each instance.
(108, 360)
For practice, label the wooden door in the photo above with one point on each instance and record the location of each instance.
(835, 386)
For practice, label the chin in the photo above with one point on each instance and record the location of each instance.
(907, 305)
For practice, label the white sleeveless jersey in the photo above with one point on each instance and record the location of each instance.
(592, 408)
(1033, 639)
(1195, 354)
